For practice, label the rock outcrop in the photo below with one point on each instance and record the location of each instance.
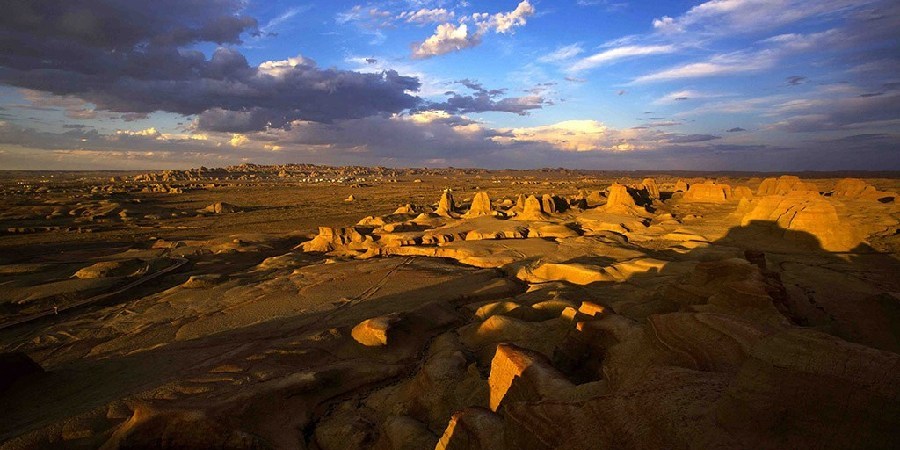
(446, 206)
(709, 192)
(532, 210)
(649, 185)
(806, 212)
(619, 199)
(784, 185)
(854, 188)
(481, 205)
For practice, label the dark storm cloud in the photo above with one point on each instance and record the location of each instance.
(485, 100)
(461, 104)
(130, 57)
(479, 88)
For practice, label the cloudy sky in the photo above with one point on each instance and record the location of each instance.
(771, 85)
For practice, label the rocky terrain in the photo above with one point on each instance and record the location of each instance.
(339, 308)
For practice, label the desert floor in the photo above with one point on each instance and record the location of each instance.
(333, 308)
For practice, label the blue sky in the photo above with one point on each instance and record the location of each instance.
(773, 85)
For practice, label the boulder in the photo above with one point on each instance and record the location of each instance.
(374, 332)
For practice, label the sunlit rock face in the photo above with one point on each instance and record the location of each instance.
(708, 192)
(807, 212)
(481, 205)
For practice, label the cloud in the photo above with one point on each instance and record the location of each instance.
(691, 138)
(129, 57)
(838, 109)
(426, 16)
(794, 80)
(606, 4)
(484, 100)
(272, 25)
(570, 135)
(728, 17)
(717, 65)
(370, 18)
(505, 22)
(683, 95)
(562, 54)
(735, 130)
(614, 54)
(449, 37)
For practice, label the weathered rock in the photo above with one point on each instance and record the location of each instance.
(481, 205)
(374, 332)
(805, 212)
(518, 374)
(119, 268)
(619, 199)
(406, 433)
(649, 184)
(532, 210)
(784, 185)
(708, 192)
(834, 393)
(854, 188)
(221, 208)
(473, 429)
(446, 206)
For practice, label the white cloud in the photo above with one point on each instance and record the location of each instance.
(273, 24)
(743, 16)
(726, 64)
(682, 95)
(562, 54)
(613, 54)
(424, 16)
(505, 22)
(571, 135)
(449, 37)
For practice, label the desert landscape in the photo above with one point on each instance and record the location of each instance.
(450, 224)
(301, 306)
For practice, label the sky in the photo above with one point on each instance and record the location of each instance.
(755, 85)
